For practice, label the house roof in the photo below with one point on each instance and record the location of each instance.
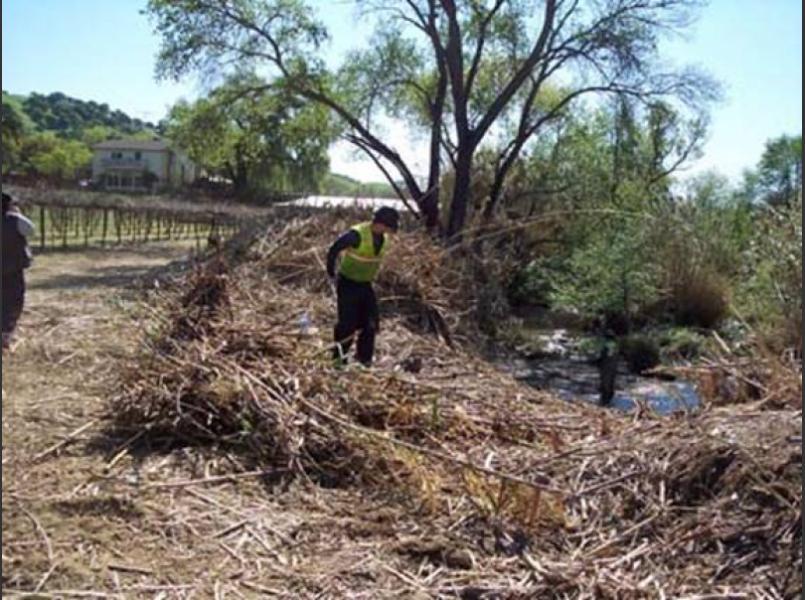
(155, 145)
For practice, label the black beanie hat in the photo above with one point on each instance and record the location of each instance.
(387, 216)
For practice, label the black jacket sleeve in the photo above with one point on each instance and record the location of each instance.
(350, 239)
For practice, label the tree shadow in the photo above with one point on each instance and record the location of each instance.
(150, 249)
(132, 276)
(141, 442)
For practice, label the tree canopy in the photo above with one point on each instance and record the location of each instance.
(780, 170)
(474, 72)
(271, 141)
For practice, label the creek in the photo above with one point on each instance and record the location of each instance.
(556, 361)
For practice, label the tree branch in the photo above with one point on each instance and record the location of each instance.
(522, 73)
(479, 45)
(362, 145)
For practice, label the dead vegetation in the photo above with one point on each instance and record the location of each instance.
(496, 490)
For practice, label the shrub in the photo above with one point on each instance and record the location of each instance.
(700, 299)
(682, 343)
(770, 295)
(531, 285)
(609, 275)
(641, 353)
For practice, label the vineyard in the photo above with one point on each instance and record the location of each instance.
(66, 219)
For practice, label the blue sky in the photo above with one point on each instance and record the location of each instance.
(104, 50)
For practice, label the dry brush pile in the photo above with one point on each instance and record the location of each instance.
(538, 497)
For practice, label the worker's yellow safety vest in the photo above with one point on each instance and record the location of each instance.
(361, 264)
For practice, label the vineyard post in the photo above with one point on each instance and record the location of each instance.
(104, 226)
(42, 226)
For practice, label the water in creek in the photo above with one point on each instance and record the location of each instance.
(561, 368)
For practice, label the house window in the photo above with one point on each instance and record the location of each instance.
(125, 181)
(112, 180)
(138, 155)
(117, 155)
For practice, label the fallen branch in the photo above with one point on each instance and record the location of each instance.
(68, 438)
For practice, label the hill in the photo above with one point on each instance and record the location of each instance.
(342, 185)
(68, 117)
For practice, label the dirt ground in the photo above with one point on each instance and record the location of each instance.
(89, 512)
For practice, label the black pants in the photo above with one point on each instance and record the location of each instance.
(357, 311)
(13, 299)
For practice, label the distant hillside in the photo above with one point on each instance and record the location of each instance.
(68, 117)
(16, 100)
(341, 185)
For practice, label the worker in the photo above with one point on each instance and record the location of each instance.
(363, 248)
(16, 258)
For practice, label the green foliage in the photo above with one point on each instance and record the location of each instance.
(12, 124)
(98, 133)
(681, 343)
(334, 184)
(70, 116)
(778, 178)
(261, 141)
(641, 352)
(15, 101)
(198, 36)
(52, 135)
(699, 239)
(632, 248)
(609, 274)
(13, 128)
(770, 292)
(608, 270)
(532, 285)
(469, 75)
(47, 155)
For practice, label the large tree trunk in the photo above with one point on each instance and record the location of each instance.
(429, 204)
(430, 201)
(238, 174)
(461, 193)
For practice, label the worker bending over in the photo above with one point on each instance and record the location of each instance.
(363, 248)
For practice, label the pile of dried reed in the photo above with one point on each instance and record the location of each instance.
(542, 498)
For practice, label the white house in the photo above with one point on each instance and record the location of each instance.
(140, 165)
